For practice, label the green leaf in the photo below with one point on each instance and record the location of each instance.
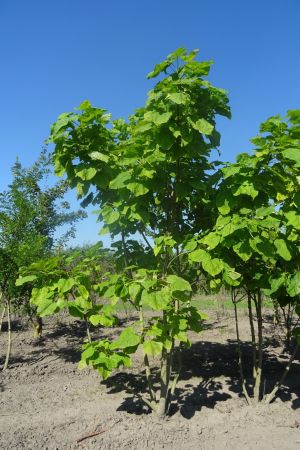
(100, 319)
(243, 250)
(83, 291)
(110, 216)
(190, 245)
(128, 338)
(152, 348)
(84, 105)
(203, 127)
(22, 280)
(181, 336)
(161, 67)
(104, 373)
(265, 247)
(178, 283)
(231, 277)
(293, 154)
(199, 255)
(223, 203)
(47, 307)
(178, 97)
(282, 249)
(134, 290)
(246, 188)
(87, 173)
(293, 219)
(98, 156)
(157, 300)
(293, 285)
(265, 211)
(230, 170)
(75, 310)
(179, 52)
(213, 266)
(212, 240)
(157, 118)
(65, 284)
(120, 180)
(137, 189)
(82, 364)
(276, 284)
(88, 352)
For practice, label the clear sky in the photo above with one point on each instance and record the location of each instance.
(57, 53)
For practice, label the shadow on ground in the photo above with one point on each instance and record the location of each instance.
(216, 366)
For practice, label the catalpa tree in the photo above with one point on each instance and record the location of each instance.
(255, 237)
(151, 177)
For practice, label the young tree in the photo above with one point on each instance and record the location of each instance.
(69, 281)
(151, 177)
(30, 213)
(256, 235)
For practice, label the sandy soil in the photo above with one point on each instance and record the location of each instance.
(46, 403)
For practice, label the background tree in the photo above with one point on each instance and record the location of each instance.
(30, 214)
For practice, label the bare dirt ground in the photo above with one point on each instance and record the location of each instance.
(46, 403)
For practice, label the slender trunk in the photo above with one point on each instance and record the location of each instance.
(2, 316)
(173, 383)
(147, 364)
(8, 335)
(253, 339)
(276, 316)
(271, 396)
(38, 326)
(244, 388)
(289, 320)
(176, 376)
(88, 333)
(258, 379)
(163, 399)
(165, 375)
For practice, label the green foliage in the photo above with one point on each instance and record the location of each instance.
(255, 235)
(30, 213)
(176, 220)
(254, 243)
(69, 282)
(150, 176)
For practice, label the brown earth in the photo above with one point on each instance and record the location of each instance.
(46, 403)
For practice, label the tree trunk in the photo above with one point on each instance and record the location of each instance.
(8, 304)
(244, 387)
(258, 378)
(162, 406)
(253, 339)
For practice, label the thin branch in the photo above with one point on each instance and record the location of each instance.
(146, 240)
(270, 397)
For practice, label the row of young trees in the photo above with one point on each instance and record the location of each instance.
(179, 222)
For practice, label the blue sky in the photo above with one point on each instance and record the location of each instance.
(55, 54)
